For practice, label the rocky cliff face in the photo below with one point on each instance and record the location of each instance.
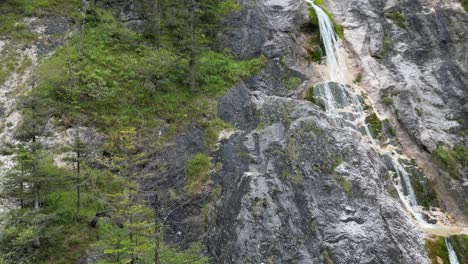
(296, 188)
(413, 52)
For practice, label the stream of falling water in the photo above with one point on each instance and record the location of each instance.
(343, 96)
(345, 107)
(452, 255)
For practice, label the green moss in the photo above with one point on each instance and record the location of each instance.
(385, 45)
(212, 129)
(374, 124)
(337, 160)
(423, 189)
(437, 248)
(291, 150)
(313, 227)
(464, 3)
(460, 246)
(397, 17)
(326, 257)
(293, 82)
(346, 185)
(451, 157)
(387, 100)
(197, 173)
(358, 78)
(319, 2)
(295, 177)
(314, 53)
(310, 95)
(258, 206)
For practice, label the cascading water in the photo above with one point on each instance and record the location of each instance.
(452, 255)
(344, 106)
(340, 102)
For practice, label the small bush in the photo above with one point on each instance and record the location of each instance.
(197, 173)
(385, 45)
(326, 257)
(346, 185)
(451, 157)
(358, 79)
(398, 18)
(293, 82)
(310, 95)
(387, 100)
(375, 125)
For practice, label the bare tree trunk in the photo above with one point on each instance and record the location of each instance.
(157, 237)
(192, 10)
(78, 183)
(157, 22)
(22, 185)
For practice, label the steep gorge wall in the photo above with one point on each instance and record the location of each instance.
(297, 189)
(419, 60)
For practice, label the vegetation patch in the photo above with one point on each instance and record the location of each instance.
(464, 3)
(346, 185)
(385, 45)
(397, 17)
(212, 129)
(358, 78)
(197, 173)
(326, 257)
(295, 177)
(450, 158)
(425, 194)
(436, 247)
(293, 82)
(387, 100)
(310, 95)
(374, 124)
(258, 206)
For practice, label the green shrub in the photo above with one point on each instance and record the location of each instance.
(326, 257)
(451, 157)
(197, 173)
(374, 124)
(117, 80)
(346, 185)
(397, 17)
(310, 95)
(385, 45)
(293, 82)
(387, 100)
(358, 78)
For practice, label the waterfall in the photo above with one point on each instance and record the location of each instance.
(452, 255)
(335, 62)
(341, 102)
(346, 109)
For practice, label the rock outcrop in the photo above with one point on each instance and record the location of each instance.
(297, 188)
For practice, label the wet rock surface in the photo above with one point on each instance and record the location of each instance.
(421, 66)
(297, 188)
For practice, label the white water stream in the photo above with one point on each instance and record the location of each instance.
(452, 255)
(344, 105)
(337, 73)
